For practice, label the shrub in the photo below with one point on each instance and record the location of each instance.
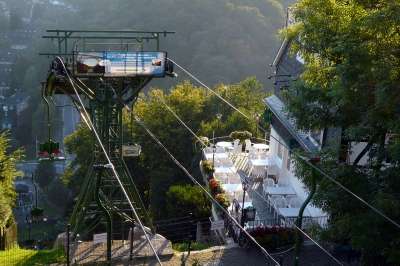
(215, 187)
(200, 141)
(207, 167)
(223, 200)
(273, 237)
(241, 135)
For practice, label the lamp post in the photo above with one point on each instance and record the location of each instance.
(219, 119)
(257, 117)
(214, 149)
(244, 187)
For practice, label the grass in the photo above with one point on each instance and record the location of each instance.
(181, 247)
(20, 257)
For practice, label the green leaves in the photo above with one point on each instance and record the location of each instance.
(350, 81)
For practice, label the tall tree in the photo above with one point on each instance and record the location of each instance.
(45, 173)
(8, 174)
(16, 22)
(351, 80)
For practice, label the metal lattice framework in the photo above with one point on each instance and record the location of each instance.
(107, 69)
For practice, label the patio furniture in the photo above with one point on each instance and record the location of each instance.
(295, 203)
(283, 182)
(267, 182)
(281, 191)
(272, 199)
(279, 204)
(289, 197)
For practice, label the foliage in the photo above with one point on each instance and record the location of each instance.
(227, 47)
(181, 247)
(223, 200)
(215, 187)
(350, 81)
(207, 167)
(58, 193)
(80, 144)
(45, 173)
(201, 143)
(272, 237)
(182, 200)
(153, 170)
(241, 135)
(16, 23)
(8, 174)
(19, 257)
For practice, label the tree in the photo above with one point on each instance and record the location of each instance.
(3, 20)
(16, 22)
(8, 174)
(58, 193)
(182, 200)
(81, 144)
(37, 11)
(350, 80)
(45, 173)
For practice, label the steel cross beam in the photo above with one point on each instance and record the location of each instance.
(108, 195)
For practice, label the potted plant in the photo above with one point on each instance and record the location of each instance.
(201, 142)
(241, 135)
(223, 200)
(215, 186)
(208, 168)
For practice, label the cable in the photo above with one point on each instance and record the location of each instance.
(295, 153)
(109, 161)
(293, 224)
(222, 99)
(197, 183)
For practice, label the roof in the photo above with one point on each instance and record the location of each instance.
(277, 108)
(282, 48)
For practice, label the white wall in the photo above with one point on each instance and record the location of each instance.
(284, 172)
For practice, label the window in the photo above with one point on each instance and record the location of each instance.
(316, 136)
(288, 163)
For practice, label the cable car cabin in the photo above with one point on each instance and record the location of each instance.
(131, 150)
(50, 151)
(37, 215)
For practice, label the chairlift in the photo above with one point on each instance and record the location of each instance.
(50, 151)
(131, 150)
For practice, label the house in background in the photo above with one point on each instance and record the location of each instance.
(288, 68)
(6, 124)
(13, 106)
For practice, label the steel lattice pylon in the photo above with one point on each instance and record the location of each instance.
(106, 81)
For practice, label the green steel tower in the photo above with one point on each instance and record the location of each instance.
(107, 70)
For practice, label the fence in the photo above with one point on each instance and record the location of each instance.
(228, 246)
(8, 237)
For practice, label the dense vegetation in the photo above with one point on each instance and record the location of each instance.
(351, 81)
(8, 174)
(216, 40)
(154, 172)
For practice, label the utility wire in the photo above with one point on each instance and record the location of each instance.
(109, 161)
(195, 181)
(291, 222)
(295, 153)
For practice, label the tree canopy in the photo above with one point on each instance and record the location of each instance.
(351, 81)
(154, 172)
(8, 174)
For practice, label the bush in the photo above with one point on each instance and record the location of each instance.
(272, 237)
(207, 167)
(215, 187)
(241, 135)
(182, 200)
